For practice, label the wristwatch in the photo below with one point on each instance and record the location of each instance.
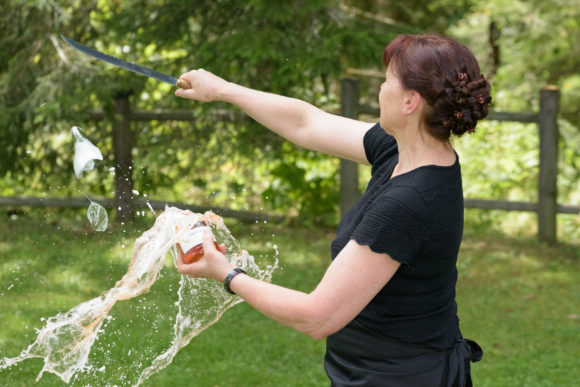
(231, 276)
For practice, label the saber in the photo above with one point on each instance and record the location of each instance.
(127, 65)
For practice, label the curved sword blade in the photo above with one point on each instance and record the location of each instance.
(120, 62)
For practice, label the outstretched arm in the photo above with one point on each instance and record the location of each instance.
(297, 121)
(353, 279)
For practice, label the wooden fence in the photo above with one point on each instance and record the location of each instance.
(546, 207)
(122, 117)
(141, 203)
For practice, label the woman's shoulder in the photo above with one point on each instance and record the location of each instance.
(419, 188)
(379, 145)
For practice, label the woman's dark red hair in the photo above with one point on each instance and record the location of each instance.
(446, 74)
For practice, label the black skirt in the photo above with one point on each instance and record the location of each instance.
(356, 356)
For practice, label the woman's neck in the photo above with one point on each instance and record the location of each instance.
(417, 149)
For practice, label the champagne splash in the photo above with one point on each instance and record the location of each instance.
(85, 153)
(65, 341)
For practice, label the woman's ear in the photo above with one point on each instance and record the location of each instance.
(412, 100)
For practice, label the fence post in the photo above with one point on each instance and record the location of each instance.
(548, 174)
(122, 144)
(349, 192)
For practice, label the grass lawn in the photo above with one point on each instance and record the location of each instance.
(518, 298)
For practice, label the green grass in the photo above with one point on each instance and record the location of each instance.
(518, 298)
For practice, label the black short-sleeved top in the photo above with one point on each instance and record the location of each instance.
(417, 219)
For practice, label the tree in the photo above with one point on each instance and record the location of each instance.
(297, 48)
(539, 45)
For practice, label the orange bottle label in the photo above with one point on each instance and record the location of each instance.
(192, 248)
(194, 254)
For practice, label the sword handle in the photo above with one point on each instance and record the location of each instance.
(182, 84)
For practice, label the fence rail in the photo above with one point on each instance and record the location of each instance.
(123, 115)
(78, 202)
(488, 204)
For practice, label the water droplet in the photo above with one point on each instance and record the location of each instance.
(151, 208)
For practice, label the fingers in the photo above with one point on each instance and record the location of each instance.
(180, 258)
(183, 83)
(207, 239)
(182, 267)
(188, 93)
(214, 263)
(200, 85)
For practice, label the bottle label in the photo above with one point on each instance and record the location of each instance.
(193, 237)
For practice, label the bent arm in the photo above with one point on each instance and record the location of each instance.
(350, 283)
(299, 122)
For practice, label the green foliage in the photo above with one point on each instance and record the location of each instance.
(307, 182)
(296, 48)
(538, 45)
(433, 16)
(500, 161)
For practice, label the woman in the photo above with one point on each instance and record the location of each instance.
(386, 304)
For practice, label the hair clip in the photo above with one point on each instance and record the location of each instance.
(481, 99)
(457, 114)
(461, 100)
(462, 77)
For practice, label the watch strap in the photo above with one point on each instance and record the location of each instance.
(231, 276)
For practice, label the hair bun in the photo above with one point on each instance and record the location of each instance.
(447, 76)
(466, 102)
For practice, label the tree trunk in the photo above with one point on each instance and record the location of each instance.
(349, 192)
(122, 144)
(494, 34)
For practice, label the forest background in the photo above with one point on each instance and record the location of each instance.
(298, 48)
